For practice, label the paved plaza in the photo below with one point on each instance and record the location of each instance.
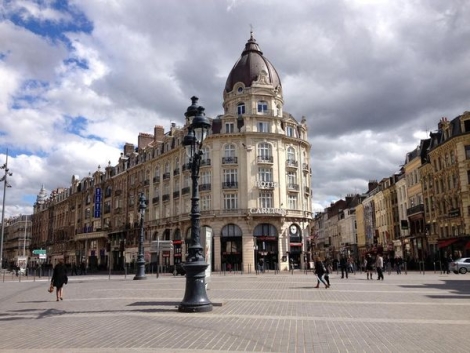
(252, 313)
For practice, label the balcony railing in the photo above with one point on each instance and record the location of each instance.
(176, 171)
(229, 160)
(305, 166)
(307, 190)
(166, 197)
(415, 209)
(176, 194)
(156, 179)
(166, 176)
(186, 166)
(230, 185)
(186, 190)
(266, 159)
(205, 162)
(292, 163)
(146, 182)
(204, 187)
(156, 199)
(294, 187)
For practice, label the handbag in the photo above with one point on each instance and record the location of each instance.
(51, 288)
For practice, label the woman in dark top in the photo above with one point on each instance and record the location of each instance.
(320, 272)
(59, 278)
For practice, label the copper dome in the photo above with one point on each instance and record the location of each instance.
(250, 65)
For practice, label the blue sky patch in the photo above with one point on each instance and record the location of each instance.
(30, 199)
(54, 30)
(75, 125)
(83, 64)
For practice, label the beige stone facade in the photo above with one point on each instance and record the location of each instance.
(254, 185)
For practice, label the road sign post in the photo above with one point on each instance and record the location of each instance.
(158, 246)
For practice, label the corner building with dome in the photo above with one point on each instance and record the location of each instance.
(254, 184)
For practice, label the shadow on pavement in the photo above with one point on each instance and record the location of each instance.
(456, 287)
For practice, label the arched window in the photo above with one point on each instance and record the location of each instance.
(265, 229)
(229, 150)
(231, 230)
(206, 156)
(265, 152)
(229, 154)
(291, 154)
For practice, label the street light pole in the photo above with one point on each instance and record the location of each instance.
(5, 186)
(25, 234)
(195, 297)
(140, 272)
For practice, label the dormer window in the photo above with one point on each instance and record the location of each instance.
(262, 107)
(290, 131)
(241, 108)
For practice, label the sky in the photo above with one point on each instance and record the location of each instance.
(80, 78)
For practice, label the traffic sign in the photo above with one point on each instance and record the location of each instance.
(39, 252)
(160, 245)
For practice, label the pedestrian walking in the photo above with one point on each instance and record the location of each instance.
(328, 270)
(320, 272)
(343, 264)
(379, 263)
(389, 265)
(369, 266)
(59, 278)
(74, 269)
(398, 263)
(449, 260)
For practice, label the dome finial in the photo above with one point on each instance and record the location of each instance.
(251, 32)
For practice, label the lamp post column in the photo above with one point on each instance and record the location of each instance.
(140, 272)
(5, 186)
(195, 297)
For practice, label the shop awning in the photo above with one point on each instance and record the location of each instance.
(445, 242)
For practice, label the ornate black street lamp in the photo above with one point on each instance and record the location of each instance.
(140, 272)
(5, 186)
(195, 297)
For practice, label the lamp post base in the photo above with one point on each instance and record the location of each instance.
(140, 271)
(195, 298)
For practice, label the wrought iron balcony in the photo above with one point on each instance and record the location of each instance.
(230, 185)
(229, 160)
(415, 210)
(266, 159)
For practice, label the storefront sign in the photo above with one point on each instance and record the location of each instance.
(277, 211)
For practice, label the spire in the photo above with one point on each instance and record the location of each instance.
(42, 196)
(251, 45)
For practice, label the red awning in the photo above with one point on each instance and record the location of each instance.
(446, 242)
(467, 247)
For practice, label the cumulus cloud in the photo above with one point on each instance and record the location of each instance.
(79, 80)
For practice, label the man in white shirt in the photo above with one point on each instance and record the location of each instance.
(379, 264)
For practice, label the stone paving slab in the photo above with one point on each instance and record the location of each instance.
(257, 313)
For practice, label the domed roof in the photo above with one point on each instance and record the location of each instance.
(250, 65)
